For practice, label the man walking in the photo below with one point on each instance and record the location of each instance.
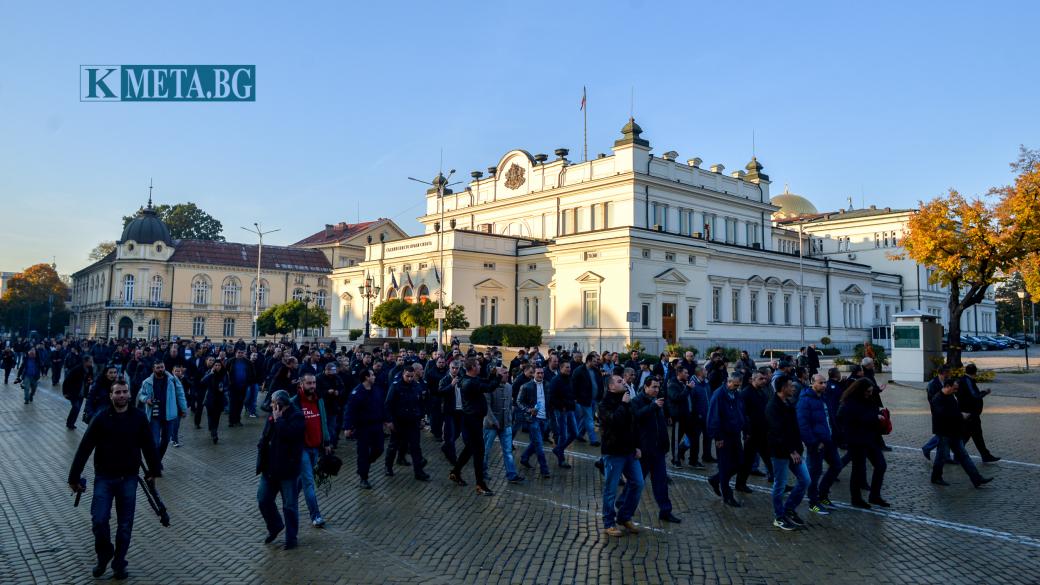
(970, 397)
(621, 455)
(29, 373)
(315, 438)
(279, 454)
(948, 424)
(814, 423)
(653, 444)
(586, 383)
(498, 424)
(75, 387)
(365, 420)
(563, 405)
(474, 407)
(163, 398)
(754, 399)
(240, 377)
(117, 436)
(404, 407)
(532, 403)
(785, 448)
(725, 423)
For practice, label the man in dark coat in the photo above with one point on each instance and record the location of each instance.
(649, 407)
(621, 455)
(785, 449)
(562, 404)
(474, 408)
(725, 423)
(970, 397)
(240, 376)
(404, 414)
(365, 420)
(279, 454)
(754, 399)
(948, 423)
(75, 387)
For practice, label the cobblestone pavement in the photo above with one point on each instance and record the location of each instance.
(546, 531)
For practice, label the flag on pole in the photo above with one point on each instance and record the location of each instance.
(582, 98)
(393, 280)
(436, 274)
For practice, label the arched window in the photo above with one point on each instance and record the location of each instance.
(128, 289)
(198, 327)
(321, 298)
(231, 291)
(406, 294)
(424, 293)
(229, 328)
(264, 291)
(155, 292)
(200, 290)
(297, 294)
(391, 294)
(153, 329)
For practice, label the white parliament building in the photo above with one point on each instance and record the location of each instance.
(636, 246)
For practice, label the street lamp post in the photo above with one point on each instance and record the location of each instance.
(440, 182)
(368, 291)
(1022, 308)
(259, 254)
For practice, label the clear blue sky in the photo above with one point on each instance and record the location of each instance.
(898, 101)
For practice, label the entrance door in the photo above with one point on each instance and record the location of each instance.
(668, 322)
(126, 328)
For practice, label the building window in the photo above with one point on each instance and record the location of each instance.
(669, 256)
(731, 230)
(489, 266)
(527, 311)
(297, 294)
(298, 279)
(200, 291)
(684, 222)
(565, 221)
(659, 213)
(406, 267)
(877, 240)
(321, 298)
(596, 216)
(716, 304)
(736, 306)
(536, 321)
(691, 317)
(128, 288)
(264, 288)
(877, 310)
(644, 315)
(532, 267)
(229, 327)
(590, 308)
(787, 309)
(198, 327)
(153, 329)
(753, 297)
(646, 253)
(231, 291)
(692, 259)
(816, 311)
(494, 310)
(483, 311)
(591, 255)
(155, 293)
(771, 308)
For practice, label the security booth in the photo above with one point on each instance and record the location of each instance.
(916, 346)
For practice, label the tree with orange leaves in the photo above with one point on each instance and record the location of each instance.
(34, 298)
(970, 242)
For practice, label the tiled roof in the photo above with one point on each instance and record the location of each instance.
(335, 233)
(244, 255)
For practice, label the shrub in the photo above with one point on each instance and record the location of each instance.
(842, 362)
(677, 350)
(825, 340)
(635, 346)
(829, 351)
(507, 335)
(356, 333)
(981, 377)
(879, 354)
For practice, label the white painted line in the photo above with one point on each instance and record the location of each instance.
(976, 457)
(911, 518)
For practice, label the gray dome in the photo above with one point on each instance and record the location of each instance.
(146, 228)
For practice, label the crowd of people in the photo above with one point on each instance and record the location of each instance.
(785, 418)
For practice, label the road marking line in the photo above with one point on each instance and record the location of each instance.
(976, 457)
(912, 518)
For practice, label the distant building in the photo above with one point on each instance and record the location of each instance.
(5, 280)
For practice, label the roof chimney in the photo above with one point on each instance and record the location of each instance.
(328, 230)
(717, 168)
(694, 162)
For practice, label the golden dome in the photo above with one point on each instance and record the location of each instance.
(792, 205)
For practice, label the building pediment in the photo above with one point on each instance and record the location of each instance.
(671, 276)
(853, 289)
(590, 277)
(490, 283)
(530, 284)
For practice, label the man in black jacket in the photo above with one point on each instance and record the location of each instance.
(118, 436)
(621, 455)
(970, 397)
(785, 448)
(679, 407)
(653, 443)
(934, 387)
(948, 424)
(432, 380)
(404, 414)
(75, 387)
(240, 376)
(279, 456)
(586, 382)
(474, 408)
(451, 408)
(562, 405)
(754, 398)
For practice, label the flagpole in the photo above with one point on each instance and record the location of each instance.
(585, 110)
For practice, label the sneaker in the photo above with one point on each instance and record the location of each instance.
(940, 481)
(669, 517)
(526, 464)
(175, 443)
(389, 472)
(423, 477)
(983, 481)
(927, 454)
(365, 485)
(99, 569)
(990, 459)
(879, 502)
(614, 531)
(546, 475)
(783, 524)
(860, 504)
(252, 415)
(631, 527)
(819, 510)
(456, 478)
(318, 522)
(564, 465)
(677, 464)
(744, 489)
(483, 490)
(794, 518)
(120, 574)
(517, 479)
(825, 502)
(733, 503)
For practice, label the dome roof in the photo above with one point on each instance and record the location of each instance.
(792, 205)
(146, 228)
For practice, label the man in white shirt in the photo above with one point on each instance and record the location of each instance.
(532, 401)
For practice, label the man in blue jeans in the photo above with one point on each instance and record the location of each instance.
(498, 424)
(934, 387)
(586, 381)
(278, 464)
(315, 439)
(563, 405)
(621, 455)
(532, 404)
(162, 396)
(785, 449)
(117, 436)
(814, 423)
(948, 423)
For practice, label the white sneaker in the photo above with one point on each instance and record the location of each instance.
(252, 416)
(318, 522)
(175, 444)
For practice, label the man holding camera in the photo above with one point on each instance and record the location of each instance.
(117, 436)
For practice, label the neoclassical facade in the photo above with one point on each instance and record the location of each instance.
(152, 286)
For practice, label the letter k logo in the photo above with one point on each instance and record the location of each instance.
(94, 83)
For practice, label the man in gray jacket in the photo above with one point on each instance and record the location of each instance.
(498, 424)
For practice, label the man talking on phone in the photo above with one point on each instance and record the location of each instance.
(117, 436)
(278, 458)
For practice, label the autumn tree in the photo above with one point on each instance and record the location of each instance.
(970, 242)
(101, 250)
(187, 222)
(35, 301)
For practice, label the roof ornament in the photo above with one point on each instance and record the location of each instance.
(149, 192)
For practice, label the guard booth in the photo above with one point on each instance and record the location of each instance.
(916, 346)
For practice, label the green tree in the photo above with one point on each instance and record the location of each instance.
(291, 316)
(419, 314)
(187, 222)
(455, 318)
(33, 297)
(101, 250)
(388, 313)
(267, 323)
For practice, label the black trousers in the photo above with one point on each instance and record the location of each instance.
(74, 407)
(7, 375)
(406, 433)
(369, 440)
(238, 399)
(55, 375)
(686, 427)
(756, 444)
(213, 411)
(473, 438)
(859, 454)
(974, 433)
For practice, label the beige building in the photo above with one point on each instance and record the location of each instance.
(154, 286)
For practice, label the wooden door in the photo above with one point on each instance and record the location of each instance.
(668, 322)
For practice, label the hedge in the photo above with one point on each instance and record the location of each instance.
(507, 335)
(355, 333)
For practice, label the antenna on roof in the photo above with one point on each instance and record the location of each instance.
(149, 192)
(752, 143)
(850, 202)
(632, 103)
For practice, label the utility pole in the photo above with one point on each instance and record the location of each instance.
(440, 182)
(1022, 308)
(801, 289)
(259, 255)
